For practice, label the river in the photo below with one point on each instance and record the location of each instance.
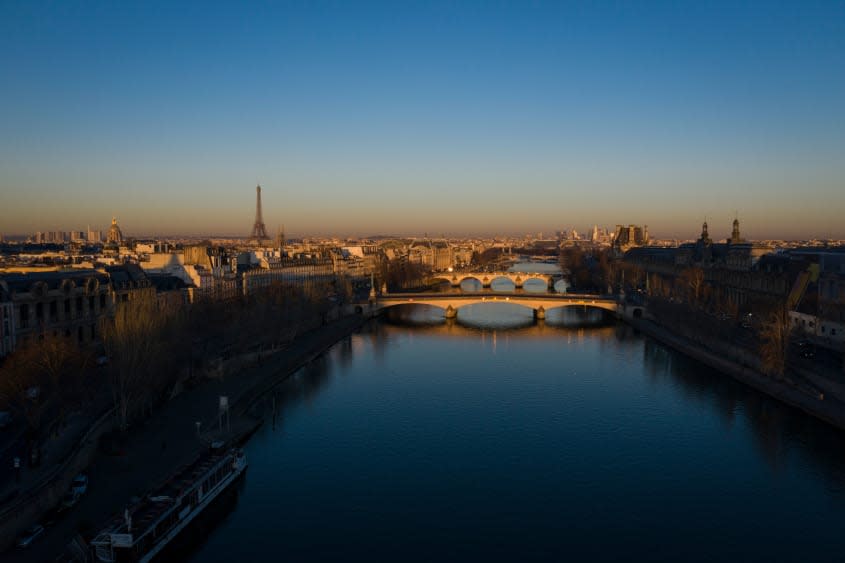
(497, 438)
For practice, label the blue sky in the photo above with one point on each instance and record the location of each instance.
(450, 117)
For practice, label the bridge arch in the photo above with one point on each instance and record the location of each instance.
(487, 278)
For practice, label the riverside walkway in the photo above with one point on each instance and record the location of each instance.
(169, 439)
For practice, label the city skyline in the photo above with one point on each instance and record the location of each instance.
(582, 228)
(383, 119)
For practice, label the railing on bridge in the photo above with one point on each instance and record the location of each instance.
(539, 302)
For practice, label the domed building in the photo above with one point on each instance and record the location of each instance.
(115, 236)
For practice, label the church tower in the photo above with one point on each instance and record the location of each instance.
(705, 236)
(735, 237)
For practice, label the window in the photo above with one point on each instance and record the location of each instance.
(24, 311)
(39, 311)
(54, 311)
(102, 301)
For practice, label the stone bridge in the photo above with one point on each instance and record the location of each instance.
(538, 302)
(486, 278)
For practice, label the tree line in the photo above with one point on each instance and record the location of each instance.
(147, 351)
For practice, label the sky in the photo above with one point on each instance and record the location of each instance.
(409, 117)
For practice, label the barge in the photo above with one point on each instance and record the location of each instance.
(144, 530)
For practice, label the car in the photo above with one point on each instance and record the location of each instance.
(29, 536)
(70, 499)
(808, 353)
(79, 485)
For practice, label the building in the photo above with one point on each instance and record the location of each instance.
(628, 237)
(172, 293)
(435, 255)
(68, 302)
(357, 263)
(832, 296)
(7, 323)
(818, 310)
(130, 283)
(737, 274)
(115, 235)
(302, 270)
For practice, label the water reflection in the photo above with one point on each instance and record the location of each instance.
(492, 433)
(498, 316)
(778, 431)
(197, 533)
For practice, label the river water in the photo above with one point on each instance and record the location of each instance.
(496, 438)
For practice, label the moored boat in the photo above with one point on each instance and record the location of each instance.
(144, 530)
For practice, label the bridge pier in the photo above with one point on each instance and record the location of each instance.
(449, 303)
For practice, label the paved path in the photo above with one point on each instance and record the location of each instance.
(169, 439)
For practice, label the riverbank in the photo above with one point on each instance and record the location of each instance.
(154, 450)
(823, 407)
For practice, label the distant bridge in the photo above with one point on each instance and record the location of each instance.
(487, 278)
(538, 302)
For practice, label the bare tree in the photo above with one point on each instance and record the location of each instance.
(62, 363)
(693, 280)
(774, 342)
(133, 340)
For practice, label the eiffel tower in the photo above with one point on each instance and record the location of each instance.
(259, 232)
